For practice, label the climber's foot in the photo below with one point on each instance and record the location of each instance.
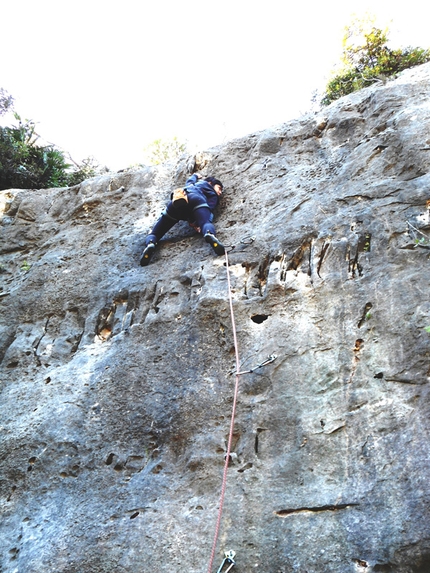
(217, 246)
(147, 255)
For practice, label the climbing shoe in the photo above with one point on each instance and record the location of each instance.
(215, 244)
(147, 255)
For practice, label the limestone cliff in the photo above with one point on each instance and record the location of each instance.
(116, 383)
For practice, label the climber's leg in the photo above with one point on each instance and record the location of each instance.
(203, 217)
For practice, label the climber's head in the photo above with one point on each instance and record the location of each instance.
(216, 184)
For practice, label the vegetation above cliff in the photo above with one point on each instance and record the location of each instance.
(27, 164)
(366, 59)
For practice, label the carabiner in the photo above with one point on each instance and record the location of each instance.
(228, 560)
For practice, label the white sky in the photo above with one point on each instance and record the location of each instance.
(106, 78)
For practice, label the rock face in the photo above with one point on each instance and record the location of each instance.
(116, 384)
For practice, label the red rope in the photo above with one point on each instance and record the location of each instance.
(230, 437)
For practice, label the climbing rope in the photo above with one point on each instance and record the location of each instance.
(230, 436)
(229, 555)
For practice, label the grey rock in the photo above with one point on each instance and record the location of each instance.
(116, 380)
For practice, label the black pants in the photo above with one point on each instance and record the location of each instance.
(196, 211)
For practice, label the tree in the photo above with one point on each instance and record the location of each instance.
(162, 150)
(25, 164)
(87, 168)
(366, 59)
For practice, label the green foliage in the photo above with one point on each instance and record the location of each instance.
(427, 329)
(162, 150)
(84, 170)
(420, 238)
(367, 59)
(25, 266)
(24, 164)
(422, 242)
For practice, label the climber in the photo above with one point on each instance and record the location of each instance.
(194, 203)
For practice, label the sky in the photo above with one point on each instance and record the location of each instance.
(105, 79)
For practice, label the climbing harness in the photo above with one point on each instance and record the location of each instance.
(271, 358)
(228, 560)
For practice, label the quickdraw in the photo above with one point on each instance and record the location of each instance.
(247, 240)
(424, 242)
(271, 358)
(228, 560)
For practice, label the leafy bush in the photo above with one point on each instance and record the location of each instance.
(23, 164)
(162, 150)
(26, 165)
(368, 59)
(85, 170)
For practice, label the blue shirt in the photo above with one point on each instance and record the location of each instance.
(194, 185)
